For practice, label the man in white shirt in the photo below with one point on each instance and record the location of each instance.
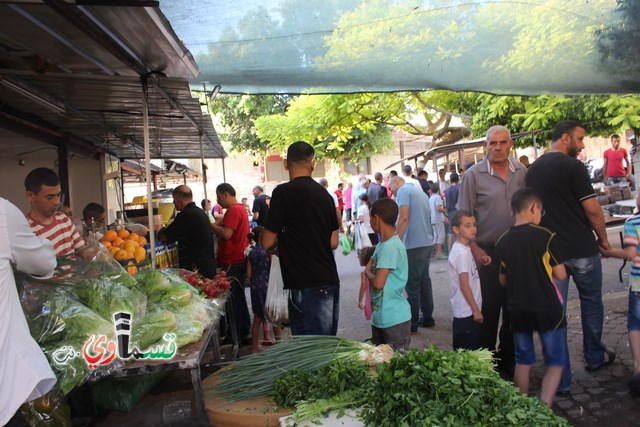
(408, 179)
(25, 373)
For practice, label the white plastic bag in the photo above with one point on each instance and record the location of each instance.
(362, 239)
(276, 307)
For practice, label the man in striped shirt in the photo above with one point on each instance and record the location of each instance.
(45, 219)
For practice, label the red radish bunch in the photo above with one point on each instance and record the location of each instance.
(211, 288)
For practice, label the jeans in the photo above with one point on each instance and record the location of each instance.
(466, 333)
(611, 180)
(494, 302)
(314, 311)
(238, 299)
(419, 291)
(587, 275)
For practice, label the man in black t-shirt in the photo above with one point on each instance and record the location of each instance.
(260, 205)
(376, 190)
(573, 213)
(192, 229)
(302, 223)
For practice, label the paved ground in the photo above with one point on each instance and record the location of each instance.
(600, 398)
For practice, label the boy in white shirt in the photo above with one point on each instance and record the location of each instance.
(466, 296)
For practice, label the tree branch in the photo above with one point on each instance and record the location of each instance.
(416, 95)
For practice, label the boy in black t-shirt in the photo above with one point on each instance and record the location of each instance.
(528, 260)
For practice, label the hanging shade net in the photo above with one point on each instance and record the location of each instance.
(342, 46)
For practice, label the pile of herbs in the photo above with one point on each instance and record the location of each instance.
(430, 387)
(335, 387)
(449, 388)
(254, 375)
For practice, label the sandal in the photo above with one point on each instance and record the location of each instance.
(610, 358)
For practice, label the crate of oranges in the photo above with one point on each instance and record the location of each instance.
(126, 247)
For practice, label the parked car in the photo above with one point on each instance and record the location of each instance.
(594, 167)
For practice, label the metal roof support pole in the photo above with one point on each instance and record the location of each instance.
(204, 169)
(147, 169)
(224, 173)
(435, 165)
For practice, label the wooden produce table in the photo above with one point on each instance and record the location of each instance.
(258, 412)
(187, 357)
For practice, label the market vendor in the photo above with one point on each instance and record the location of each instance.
(45, 218)
(93, 219)
(192, 230)
(25, 374)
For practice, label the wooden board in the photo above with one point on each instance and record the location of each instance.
(245, 413)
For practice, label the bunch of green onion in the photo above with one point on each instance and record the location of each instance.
(253, 375)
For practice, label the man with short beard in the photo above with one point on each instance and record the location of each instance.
(574, 214)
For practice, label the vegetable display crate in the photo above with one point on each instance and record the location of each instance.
(257, 412)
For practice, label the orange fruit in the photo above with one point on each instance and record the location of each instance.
(110, 235)
(134, 236)
(106, 243)
(130, 242)
(131, 269)
(123, 234)
(142, 241)
(117, 241)
(121, 255)
(113, 250)
(140, 254)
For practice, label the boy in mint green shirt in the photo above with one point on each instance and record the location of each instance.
(387, 272)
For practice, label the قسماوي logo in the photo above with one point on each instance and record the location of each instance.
(99, 351)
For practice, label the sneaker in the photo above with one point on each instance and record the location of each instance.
(414, 331)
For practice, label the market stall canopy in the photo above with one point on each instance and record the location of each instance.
(339, 46)
(173, 172)
(75, 73)
(456, 147)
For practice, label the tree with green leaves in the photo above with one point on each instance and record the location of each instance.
(237, 115)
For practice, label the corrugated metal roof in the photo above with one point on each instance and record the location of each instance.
(78, 72)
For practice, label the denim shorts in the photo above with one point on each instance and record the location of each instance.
(314, 311)
(553, 347)
(633, 315)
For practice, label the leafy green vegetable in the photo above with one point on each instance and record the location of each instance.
(340, 376)
(187, 331)
(121, 278)
(152, 327)
(108, 298)
(80, 322)
(253, 376)
(152, 281)
(172, 296)
(449, 388)
(73, 371)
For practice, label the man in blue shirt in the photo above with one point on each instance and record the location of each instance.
(414, 228)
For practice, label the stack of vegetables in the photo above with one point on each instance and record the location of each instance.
(66, 311)
(323, 375)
